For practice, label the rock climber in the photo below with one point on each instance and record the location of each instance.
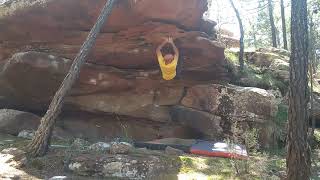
(168, 63)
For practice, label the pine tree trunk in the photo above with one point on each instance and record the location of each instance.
(241, 53)
(40, 143)
(284, 27)
(254, 37)
(272, 25)
(298, 150)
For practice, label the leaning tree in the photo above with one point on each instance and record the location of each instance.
(40, 142)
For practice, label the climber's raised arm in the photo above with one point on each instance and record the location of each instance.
(159, 54)
(175, 49)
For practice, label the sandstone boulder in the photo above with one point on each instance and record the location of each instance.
(122, 166)
(263, 59)
(82, 14)
(240, 109)
(100, 147)
(282, 52)
(95, 127)
(172, 151)
(273, 60)
(280, 64)
(80, 144)
(34, 78)
(13, 121)
(246, 103)
(120, 148)
(203, 122)
(282, 75)
(120, 92)
(280, 69)
(316, 109)
(134, 31)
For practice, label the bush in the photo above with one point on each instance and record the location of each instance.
(251, 139)
(281, 123)
(317, 137)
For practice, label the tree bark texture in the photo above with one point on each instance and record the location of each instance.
(298, 150)
(40, 142)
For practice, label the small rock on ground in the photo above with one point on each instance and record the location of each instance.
(26, 134)
(80, 144)
(100, 147)
(172, 151)
(120, 148)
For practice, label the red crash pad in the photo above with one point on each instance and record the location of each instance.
(219, 149)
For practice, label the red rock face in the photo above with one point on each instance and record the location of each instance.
(82, 14)
(38, 42)
(139, 97)
(129, 40)
(108, 127)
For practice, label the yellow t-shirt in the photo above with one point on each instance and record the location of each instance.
(168, 70)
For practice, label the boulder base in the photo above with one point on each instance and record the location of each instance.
(123, 166)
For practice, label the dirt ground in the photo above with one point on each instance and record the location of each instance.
(260, 166)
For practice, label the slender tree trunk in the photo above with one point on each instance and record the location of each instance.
(40, 142)
(254, 36)
(278, 37)
(298, 150)
(241, 53)
(272, 25)
(284, 27)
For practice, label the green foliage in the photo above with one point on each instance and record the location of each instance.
(232, 57)
(316, 85)
(262, 30)
(280, 135)
(317, 136)
(258, 166)
(269, 80)
(8, 141)
(282, 115)
(126, 137)
(275, 164)
(213, 168)
(314, 30)
(254, 77)
(251, 139)
(187, 162)
(257, 24)
(37, 163)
